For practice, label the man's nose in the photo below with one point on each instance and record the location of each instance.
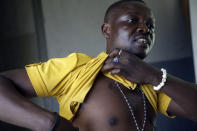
(142, 28)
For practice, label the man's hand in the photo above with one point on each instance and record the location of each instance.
(132, 68)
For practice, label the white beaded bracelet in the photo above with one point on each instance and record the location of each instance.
(164, 77)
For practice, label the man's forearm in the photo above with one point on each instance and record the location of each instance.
(183, 93)
(17, 110)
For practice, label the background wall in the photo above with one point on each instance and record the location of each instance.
(18, 37)
(34, 30)
(75, 25)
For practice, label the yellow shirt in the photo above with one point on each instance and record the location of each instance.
(69, 79)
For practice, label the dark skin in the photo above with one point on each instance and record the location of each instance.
(132, 30)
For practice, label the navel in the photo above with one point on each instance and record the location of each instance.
(113, 121)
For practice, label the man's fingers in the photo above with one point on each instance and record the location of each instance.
(109, 64)
(109, 60)
(114, 53)
(120, 60)
(115, 71)
(107, 67)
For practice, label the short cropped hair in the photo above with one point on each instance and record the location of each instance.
(115, 5)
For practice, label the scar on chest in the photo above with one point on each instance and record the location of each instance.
(113, 121)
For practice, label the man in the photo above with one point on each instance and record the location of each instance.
(110, 92)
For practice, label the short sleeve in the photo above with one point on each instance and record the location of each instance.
(52, 78)
(163, 103)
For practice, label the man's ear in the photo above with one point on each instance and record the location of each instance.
(106, 30)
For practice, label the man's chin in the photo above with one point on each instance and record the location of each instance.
(139, 54)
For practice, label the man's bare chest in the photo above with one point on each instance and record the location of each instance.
(106, 109)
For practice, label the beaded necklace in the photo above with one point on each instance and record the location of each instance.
(131, 110)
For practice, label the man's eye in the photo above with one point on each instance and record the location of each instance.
(131, 20)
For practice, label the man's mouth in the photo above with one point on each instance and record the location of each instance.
(142, 41)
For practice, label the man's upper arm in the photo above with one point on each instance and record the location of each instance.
(21, 80)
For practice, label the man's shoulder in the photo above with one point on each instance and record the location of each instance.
(80, 56)
(76, 59)
(71, 61)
